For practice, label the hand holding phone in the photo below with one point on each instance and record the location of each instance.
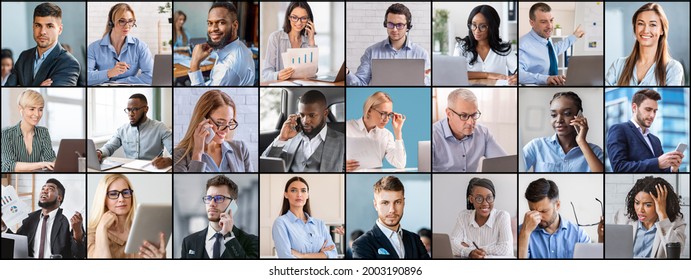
(578, 116)
(210, 136)
(298, 126)
(681, 147)
(231, 208)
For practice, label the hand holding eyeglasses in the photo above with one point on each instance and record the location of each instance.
(397, 123)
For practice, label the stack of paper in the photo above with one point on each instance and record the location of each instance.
(14, 211)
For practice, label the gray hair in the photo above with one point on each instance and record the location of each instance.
(463, 94)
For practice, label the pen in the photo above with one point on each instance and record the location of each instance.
(476, 247)
(513, 73)
(116, 59)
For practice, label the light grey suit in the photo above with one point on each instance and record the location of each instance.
(332, 156)
(667, 232)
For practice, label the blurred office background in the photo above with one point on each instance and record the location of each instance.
(414, 103)
(326, 197)
(535, 120)
(245, 99)
(364, 23)
(328, 22)
(617, 186)
(449, 199)
(189, 211)
(106, 111)
(671, 123)
(17, 28)
(620, 36)
(63, 114)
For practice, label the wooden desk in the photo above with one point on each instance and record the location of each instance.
(484, 82)
(318, 83)
(180, 70)
(121, 169)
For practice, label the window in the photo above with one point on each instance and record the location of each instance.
(270, 108)
(106, 107)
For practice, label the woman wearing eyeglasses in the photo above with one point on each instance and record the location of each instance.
(567, 150)
(111, 219)
(369, 142)
(488, 57)
(653, 209)
(296, 233)
(118, 57)
(298, 32)
(205, 147)
(482, 231)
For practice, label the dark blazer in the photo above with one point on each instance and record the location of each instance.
(61, 241)
(369, 245)
(243, 246)
(628, 151)
(332, 156)
(60, 66)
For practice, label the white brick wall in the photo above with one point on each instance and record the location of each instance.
(247, 107)
(364, 27)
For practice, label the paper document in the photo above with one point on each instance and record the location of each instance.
(144, 165)
(14, 211)
(355, 151)
(502, 83)
(304, 61)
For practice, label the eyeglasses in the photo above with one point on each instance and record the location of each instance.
(588, 225)
(474, 27)
(131, 23)
(133, 110)
(232, 124)
(216, 198)
(126, 193)
(479, 199)
(399, 26)
(465, 117)
(294, 18)
(384, 115)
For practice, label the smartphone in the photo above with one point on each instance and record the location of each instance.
(681, 147)
(578, 115)
(298, 127)
(211, 135)
(233, 206)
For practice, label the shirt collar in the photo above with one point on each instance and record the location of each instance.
(51, 214)
(563, 225)
(293, 218)
(448, 133)
(360, 123)
(211, 233)
(225, 148)
(106, 40)
(46, 53)
(389, 232)
(537, 37)
(406, 45)
(284, 36)
(225, 51)
(321, 135)
(490, 220)
(640, 129)
(651, 229)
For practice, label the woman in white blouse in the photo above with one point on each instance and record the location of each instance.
(487, 55)
(482, 231)
(368, 142)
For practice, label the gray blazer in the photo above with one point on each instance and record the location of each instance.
(332, 157)
(667, 232)
(238, 160)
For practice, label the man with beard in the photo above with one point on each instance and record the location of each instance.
(221, 239)
(47, 64)
(458, 142)
(234, 65)
(387, 239)
(48, 231)
(630, 145)
(305, 143)
(141, 138)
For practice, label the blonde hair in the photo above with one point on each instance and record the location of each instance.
(30, 97)
(99, 206)
(115, 12)
(375, 99)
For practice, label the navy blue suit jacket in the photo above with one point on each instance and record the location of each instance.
(373, 243)
(60, 66)
(628, 151)
(243, 246)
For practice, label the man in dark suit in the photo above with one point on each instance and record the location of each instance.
(387, 239)
(630, 145)
(47, 64)
(48, 231)
(305, 143)
(221, 239)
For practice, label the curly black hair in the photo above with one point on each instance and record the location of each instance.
(647, 184)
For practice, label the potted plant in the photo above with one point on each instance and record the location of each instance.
(165, 9)
(557, 30)
(440, 30)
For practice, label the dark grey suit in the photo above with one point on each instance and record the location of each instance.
(243, 246)
(61, 238)
(331, 158)
(60, 66)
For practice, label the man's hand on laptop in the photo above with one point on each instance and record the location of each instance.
(557, 80)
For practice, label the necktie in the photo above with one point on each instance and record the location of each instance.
(552, 60)
(217, 245)
(42, 245)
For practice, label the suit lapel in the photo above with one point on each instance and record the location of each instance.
(42, 73)
(639, 136)
(28, 68)
(328, 153)
(292, 149)
(57, 224)
(384, 242)
(200, 245)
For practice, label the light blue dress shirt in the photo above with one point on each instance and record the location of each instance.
(533, 57)
(178, 41)
(452, 155)
(145, 141)
(384, 50)
(289, 232)
(546, 155)
(233, 67)
(559, 245)
(101, 58)
(674, 76)
(231, 161)
(643, 241)
(40, 59)
(278, 43)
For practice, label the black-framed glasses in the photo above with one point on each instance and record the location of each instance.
(295, 18)
(126, 193)
(465, 117)
(399, 26)
(216, 198)
(602, 208)
(131, 23)
(232, 124)
(482, 27)
(384, 115)
(479, 199)
(133, 110)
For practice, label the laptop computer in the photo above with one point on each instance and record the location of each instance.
(398, 72)
(441, 246)
(424, 156)
(587, 251)
(68, 153)
(585, 71)
(618, 241)
(20, 247)
(449, 71)
(92, 159)
(332, 79)
(271, 164)
(500, 164)
(163, 70)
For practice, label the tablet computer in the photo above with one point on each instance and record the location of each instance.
(149, 221)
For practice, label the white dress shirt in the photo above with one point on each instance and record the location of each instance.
(395, 237)
(308, 145)
(494, 236)
(370, 148)
(49, 228)
(493, 63)
(211, 239)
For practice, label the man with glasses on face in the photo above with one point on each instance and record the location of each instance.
(221, 239)
(398, 21)
(48, 230)
(234, 65)
(141, 138)
(458, 142)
